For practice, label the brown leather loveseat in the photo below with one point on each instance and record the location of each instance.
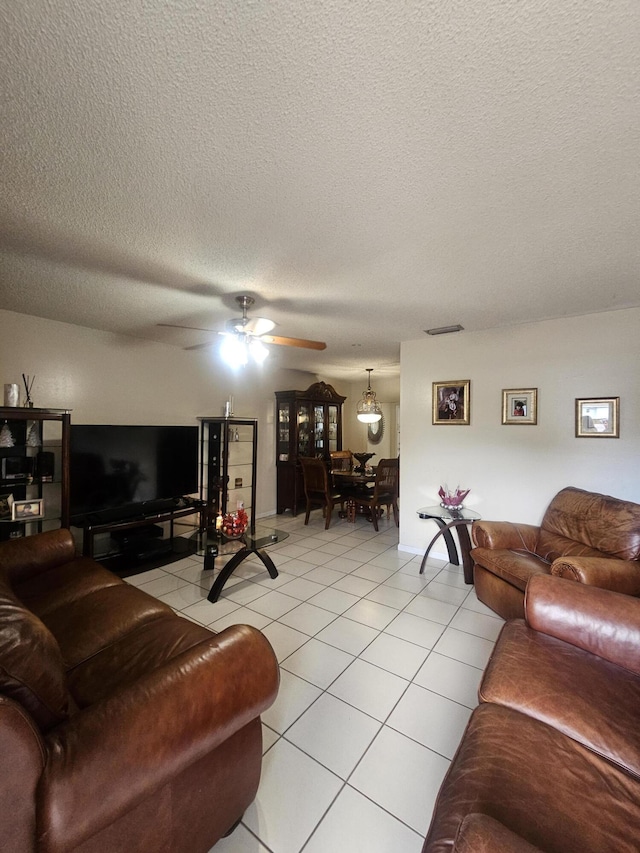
(550, 759)
(123, 726)
(584, 536)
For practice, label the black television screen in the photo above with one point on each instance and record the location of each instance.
(117, 466)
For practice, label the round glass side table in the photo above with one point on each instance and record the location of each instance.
(446, 519)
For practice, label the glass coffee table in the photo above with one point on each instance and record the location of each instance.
(210, 546)
(447, 519)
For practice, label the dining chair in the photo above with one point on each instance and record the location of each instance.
(341, 460)
(318, 489)
(385, 492)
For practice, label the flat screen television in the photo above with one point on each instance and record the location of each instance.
(119, 467)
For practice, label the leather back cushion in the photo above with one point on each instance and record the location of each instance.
(31, 667)
(588, 524)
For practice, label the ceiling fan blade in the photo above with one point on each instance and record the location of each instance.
(191, 328)
(292, 342)
(201, 346)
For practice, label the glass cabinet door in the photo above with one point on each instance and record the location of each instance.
(333, 428)
(304, 431)
(284, 434)
(318, 429)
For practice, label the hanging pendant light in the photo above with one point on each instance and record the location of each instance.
(369, 411)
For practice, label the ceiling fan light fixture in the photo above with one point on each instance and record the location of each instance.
(237, 349)
(368, 410)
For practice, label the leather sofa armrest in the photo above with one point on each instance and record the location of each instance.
(480, 833)
(504, 535)
(600, 621)
(31, 555)
(606, 572)
(110, 756)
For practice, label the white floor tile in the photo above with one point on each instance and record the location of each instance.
(431, 608)
(352, 637)
(323, 575)
(444, 592)
(343, 564)
(478, 624)
(318, 663)
(415, 629)
(465, 647)
(282, 815)
(373, 573)
(285, 640)
(402, 776)
(409, 583)
(355, 586)
(395, 655)
(472, 603)
(274, 604)
(240, 841)
(162, 585)
(243, 592)
(294, 697)
(371, 613)
(205, 612)
(308, 618)
(302, 588)
(334, 600)
(356, 825)
(369, 688)
(384, 594)
(334, 733)
(241, 616)
(450, 678)
(434, 721)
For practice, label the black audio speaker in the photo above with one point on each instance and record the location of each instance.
(45, 466)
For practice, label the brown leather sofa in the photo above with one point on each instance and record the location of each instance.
(550, 759)
(123, 726)
(584, 536)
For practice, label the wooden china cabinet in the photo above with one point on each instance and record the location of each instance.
(308, 423)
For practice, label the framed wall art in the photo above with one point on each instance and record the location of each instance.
(597, 417)
(520, 406)
(451, 402)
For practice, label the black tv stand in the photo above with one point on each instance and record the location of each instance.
(138, 531)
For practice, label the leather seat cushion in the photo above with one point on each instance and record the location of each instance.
(535, 674)
(543, 786)
(122, 662)
(85, 626)
(515, 567)
(63, 584)
(31, 667)
(604, 524)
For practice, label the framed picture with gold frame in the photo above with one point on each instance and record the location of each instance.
(451, 402)
(520, 406)
(598, 417)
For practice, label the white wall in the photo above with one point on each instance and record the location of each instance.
(106, 378)
(514, 471)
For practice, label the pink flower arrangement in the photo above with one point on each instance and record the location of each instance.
(452, 499)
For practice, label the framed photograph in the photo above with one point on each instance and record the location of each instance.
(6, 502)
(451, 402)
(519, 405)
(27, 510)
(598, 417)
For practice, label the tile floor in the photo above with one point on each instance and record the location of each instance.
(379, 672)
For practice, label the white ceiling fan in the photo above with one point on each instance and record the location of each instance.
(250, 331)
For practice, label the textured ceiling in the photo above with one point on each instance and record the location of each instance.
(365, 169)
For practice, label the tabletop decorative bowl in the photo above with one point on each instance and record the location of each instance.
(452, 498)
(362, 458)
(234, 524)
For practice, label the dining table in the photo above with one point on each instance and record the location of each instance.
(352, 481)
